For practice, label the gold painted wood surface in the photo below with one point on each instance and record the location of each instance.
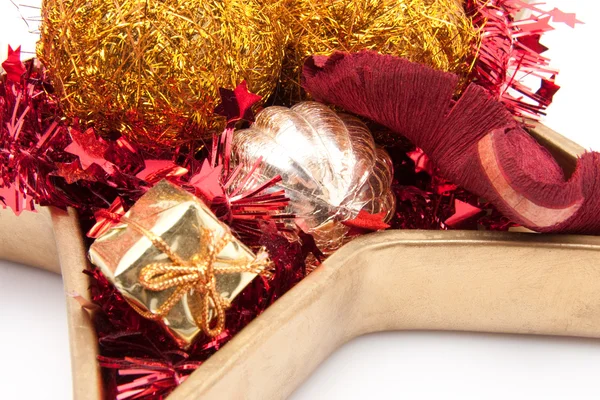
(403, 280)
(28, 239)
(83, 343)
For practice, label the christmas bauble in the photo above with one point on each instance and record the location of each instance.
(432, 32)
(151, 69)
(328, 162)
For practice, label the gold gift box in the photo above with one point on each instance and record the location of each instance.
(178, 218)
(395, 280)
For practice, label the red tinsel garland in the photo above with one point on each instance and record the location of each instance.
(510, 52)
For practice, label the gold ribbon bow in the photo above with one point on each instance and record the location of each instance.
(196, 276)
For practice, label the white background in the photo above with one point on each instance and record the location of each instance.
(411, 365)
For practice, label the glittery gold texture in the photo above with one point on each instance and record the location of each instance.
(151, 69)
(198, 275)
(432, 32)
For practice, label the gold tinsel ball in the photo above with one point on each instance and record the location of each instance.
(432, 32)
(151, 69)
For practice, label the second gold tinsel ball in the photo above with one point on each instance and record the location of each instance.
(151, 69)
(432, 32)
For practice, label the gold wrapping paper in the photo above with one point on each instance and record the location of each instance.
(181, 221)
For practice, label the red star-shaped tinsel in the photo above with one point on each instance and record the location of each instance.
(237, 104)
(13, 66)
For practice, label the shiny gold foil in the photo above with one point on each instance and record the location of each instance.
(152, 68)
(329, 164)
(432, 32)
(179, 219)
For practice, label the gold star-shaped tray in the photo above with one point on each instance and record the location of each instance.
(395, 280)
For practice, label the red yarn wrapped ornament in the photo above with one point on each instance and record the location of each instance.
(475, 141)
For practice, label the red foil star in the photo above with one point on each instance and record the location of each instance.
(90, 149)
(13, 198)
(13, 66)
(207, 181)
(567, 18)
(547, 90)
(463, 212)
(237, 104)
(365, 221)
(156, 170)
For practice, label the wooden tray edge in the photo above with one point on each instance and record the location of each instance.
(18, 233)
